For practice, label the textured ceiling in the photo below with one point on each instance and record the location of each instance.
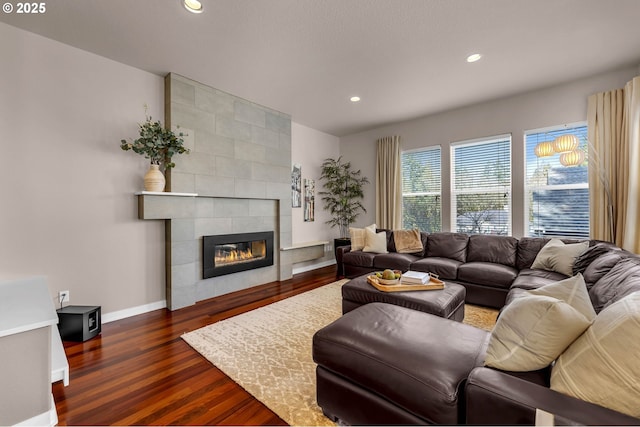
(404, 58)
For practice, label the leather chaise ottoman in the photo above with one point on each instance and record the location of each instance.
(395, 365)
(447, 302)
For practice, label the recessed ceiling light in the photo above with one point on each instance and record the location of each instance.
(474, 57)
(193, 6)
(355, 98)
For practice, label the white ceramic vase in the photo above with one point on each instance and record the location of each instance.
(154, 179)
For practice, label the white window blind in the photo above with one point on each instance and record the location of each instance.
(481, 186)
(421, 190)
(557, 203)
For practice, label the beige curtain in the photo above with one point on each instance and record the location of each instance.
(388, 184)
(613, 120)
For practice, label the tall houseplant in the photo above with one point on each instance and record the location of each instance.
(158, 145)
(342, 193)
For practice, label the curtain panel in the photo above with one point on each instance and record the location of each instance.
(388, 184)
(613, 120)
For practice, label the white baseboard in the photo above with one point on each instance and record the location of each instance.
(133, 311)
(49, 418)
(313, 266)
(141, 309)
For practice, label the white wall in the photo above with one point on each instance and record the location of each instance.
(552, 106)
(67, 209)
(309, 148)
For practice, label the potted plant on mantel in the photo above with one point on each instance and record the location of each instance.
(342, 196)
(158, 145)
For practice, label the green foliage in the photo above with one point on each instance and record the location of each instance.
(342, 193)
(156, 143)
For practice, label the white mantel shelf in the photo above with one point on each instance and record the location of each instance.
(164, 193)
(305, 245)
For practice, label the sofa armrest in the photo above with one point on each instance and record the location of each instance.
(340, 251)
(494, 397)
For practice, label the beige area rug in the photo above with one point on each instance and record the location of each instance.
(267, 351)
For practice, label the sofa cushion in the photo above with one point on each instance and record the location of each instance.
(622, 280)
(558, 256)
(528, 248)
(533, 279)
(444, 268)
(602, 366)
(602, 265)
(494, 249)
(533, 331)
(394, 261)
(448, 245)
(486, 273)
(359, 258)
(591, 254)
(413, 360)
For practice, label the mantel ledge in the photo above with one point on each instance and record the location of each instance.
(164, 193)
(305, 245)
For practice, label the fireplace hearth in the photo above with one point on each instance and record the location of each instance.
(232, 253)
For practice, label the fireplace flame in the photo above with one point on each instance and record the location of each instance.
(232, 256)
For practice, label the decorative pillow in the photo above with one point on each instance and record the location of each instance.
(534, 330)
(559, 257)
(358, 237)
(573, 291)
(601, 366)
(375, 242)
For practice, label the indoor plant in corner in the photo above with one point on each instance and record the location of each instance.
(158, 145)
(342, 195)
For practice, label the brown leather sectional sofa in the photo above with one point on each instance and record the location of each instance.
(384, 364)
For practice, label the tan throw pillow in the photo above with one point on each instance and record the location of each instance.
(358, 237)
(534, 330)
(558, 256)
(602, 366)
(375, 242)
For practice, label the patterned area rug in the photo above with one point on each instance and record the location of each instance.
(267, 351)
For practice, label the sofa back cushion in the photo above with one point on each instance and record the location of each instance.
(528, 248)
(448, 245)
(494, 249)
(622, 280)
(602, 265)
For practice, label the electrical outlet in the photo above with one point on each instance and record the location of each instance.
(63, 296)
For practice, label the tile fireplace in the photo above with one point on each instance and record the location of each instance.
(231, 253)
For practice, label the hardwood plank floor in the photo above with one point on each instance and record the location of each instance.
(140, 372)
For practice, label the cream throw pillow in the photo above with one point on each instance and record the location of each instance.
(375, 242)
(558, 256)
(358, 237)
(602, 366)
(534, 330)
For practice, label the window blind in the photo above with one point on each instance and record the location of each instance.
(421, 190)
(481, 186)
(557, 203)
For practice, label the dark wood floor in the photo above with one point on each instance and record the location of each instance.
(140, 372)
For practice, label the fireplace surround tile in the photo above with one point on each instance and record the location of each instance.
(240, 166)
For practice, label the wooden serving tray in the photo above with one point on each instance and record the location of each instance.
(434, 284)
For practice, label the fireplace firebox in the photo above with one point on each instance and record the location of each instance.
(231, 253)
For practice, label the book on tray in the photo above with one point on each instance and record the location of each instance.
(414, 278)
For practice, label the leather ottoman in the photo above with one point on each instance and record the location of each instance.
(447, 302)
(384, 364)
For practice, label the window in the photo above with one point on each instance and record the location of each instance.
(557, 203)
(421, 190)
(481, 186)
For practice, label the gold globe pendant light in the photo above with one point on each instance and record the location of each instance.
(572, 158)
(544, 149)
(565, 143)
